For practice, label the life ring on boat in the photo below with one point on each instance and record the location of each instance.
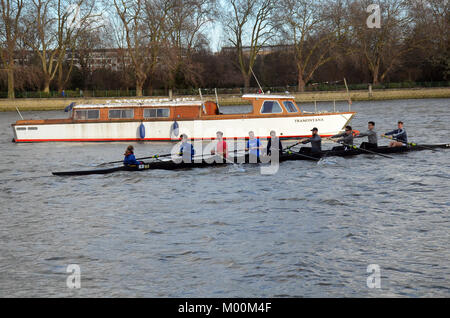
(142, 131)
(174, 129)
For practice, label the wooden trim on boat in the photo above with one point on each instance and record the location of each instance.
(38, 122)
(153, 139)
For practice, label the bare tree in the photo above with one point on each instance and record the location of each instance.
(186, 22)
(84, 47)
(53, 27)
(315, 29)
(132, 16)
(157, 17)
(253, 17)
(430, 26)
(382, 48)
(10, 15)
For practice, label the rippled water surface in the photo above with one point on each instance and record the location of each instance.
(310, 230)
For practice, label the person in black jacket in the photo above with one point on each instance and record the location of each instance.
(315, 140)
(346, 138)
(371, 134)
(274, 144)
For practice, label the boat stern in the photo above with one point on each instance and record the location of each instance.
(25, 131)
(13, 127)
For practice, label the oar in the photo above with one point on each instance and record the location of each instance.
(152, 157)
(302, 155)
(229, 161)
(290, 147)
(368, 151)
(364, 150)
(206, 155)
(412, 144)
(287, 150)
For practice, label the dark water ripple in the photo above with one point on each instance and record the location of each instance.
(310, 230)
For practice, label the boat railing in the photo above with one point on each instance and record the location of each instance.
(316, 111)
(141, 102)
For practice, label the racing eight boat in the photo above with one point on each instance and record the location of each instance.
(287, 156)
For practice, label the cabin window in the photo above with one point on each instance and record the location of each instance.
(21, 128)
(271, 107)
(87, 114)
(121, 114)
(156, 112)
(290, 106)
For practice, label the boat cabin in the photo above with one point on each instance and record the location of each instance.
(151, 110)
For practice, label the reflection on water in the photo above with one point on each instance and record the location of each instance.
(310, 230)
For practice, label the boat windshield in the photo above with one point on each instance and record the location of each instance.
(271, 107)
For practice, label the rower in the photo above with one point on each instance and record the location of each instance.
(274, 144)
(222, 147)
(346, 138)
(130, 159)
(315, 140)
(399, 135)
(253, 147)
(371, 135)
(187, 150)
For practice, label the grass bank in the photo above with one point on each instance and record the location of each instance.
(38, 104)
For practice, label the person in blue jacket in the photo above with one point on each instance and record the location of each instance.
(399, 136)
(254, 147)
(130, 159)
(186, 150)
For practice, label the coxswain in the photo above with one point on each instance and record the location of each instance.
(274, 144)
(187, 150)
(315, 140)
(345, 138)
(221, 147)
(130, 159)
(399, 136)
(371, 135)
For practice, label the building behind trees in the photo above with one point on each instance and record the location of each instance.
(168, 44)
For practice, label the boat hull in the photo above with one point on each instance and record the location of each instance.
(286, 128)
(216, 162)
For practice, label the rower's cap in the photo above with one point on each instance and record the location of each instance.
(314, 129)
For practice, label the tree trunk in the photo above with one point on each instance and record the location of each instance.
(60, 78)
(246, 83)
(150, 89)
(139, 85)
(301, 82)
(46, 84)
(11, 94)
(375, 75)
(141, 77)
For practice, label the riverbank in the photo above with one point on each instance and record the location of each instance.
(41, 104)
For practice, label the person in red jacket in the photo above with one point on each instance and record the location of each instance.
(222, 147)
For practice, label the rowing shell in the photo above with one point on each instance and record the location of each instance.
(171, 165)
(158, 165)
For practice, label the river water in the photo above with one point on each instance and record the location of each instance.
(310, 230)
